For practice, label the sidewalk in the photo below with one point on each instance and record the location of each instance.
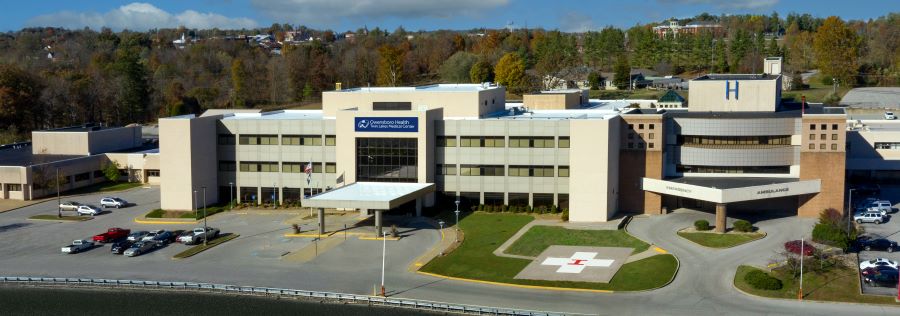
(448, 239)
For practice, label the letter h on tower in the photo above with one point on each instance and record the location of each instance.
(729, 90)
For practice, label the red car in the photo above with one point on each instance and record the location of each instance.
(112, 234)
(794, 247)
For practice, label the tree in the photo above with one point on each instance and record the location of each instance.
(622, 77)
(307, 91)
(836, 48)
(456, 68)
(111, 171)
(19, 97)
(510, 72)
(390, 65)
(797, 81)
(134, 87)
(594, 79)
(481, 71)
(238, 83)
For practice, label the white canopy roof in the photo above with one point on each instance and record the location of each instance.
(369, 195)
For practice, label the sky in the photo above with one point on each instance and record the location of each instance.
(343, 15)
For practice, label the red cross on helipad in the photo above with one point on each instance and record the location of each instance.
(577, 262)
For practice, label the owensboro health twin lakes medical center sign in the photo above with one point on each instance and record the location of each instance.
(387, 124)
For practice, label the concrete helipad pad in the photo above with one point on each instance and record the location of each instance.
(576, 263)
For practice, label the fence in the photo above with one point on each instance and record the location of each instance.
(265, 291)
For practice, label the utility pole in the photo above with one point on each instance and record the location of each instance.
(58, 201)
(383, 259)
(849, 211)
(800, 293)
(205, 228)
(231, 195)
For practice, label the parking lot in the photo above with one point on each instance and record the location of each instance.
(889, 230)
(31, 247)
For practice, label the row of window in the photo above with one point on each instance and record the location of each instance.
(734, 140)
(296, 140)
(497, 198)
(498, 170)
(823, 146)
(14, 187)
(641, 126)
(887, 145)
(286, 167)
(500, 141)
(823, 136)
(823, 127)
(732, 169)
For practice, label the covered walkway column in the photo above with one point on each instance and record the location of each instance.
(378, 225)
(721, 215)
(321, 220)
(418, 207)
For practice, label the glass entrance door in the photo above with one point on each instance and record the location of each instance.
(386, 159)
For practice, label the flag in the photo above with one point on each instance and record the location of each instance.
(308, 170)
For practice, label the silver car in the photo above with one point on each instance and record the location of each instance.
(138, 235)
(140, 248)
(69, 205)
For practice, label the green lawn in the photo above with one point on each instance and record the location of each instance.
(211, 210)
(474, 259)
(839, 285)
(200, 248)
(105, 187)
(716, 240)
(538, 238)
(816, 91)
(49, 217)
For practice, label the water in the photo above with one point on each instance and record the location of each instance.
(60, 301)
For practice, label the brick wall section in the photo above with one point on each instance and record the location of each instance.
(823, 157)
(640, 156)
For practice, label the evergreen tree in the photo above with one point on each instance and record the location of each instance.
(622, 77)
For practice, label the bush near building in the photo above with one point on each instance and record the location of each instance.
(832, 229)
(743, 226)
(762, 281)
(701, 225)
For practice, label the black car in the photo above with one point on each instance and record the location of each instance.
(120, 247)
(877, 244)
(886, 278)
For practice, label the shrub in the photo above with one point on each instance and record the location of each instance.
(565, 215)
(743, 226)
(701, 225)
(832, 229)
(762, 281)
(554, 209)
(296, 228)
(504, 208)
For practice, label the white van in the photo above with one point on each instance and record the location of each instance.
(882, 205)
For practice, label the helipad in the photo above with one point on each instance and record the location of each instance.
(576, 263)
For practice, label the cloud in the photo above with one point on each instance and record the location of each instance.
(328, 11)
(729, 4)
(139, 17)
(576, 22)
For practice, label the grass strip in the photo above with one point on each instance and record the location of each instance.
(717, 240)
(47, 217)
(836, 285)
(201, 247)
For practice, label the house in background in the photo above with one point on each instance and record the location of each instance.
(671, 100)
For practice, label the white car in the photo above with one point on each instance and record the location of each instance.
(88, 210)
(113, 202)
(877, 262)
(869, 217)
(889, 116)
(69, 206)
(882, 205)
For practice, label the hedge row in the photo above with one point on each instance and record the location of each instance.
(762, 281)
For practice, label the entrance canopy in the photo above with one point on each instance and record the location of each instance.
(369, 195)
(731, 189)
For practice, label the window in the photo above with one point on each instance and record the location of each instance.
(226, 166)
(226, 139)
(519, 142)
(302, 140)
(494, 141)
(732, 169)
(640, 145)
(391, 106)
(822, 136)
(833, 136)
(887, 145)
(83, 176)
(258, 140)
(14, 187)
(651, 126)
(640, 126)
(259, 166)
(99, 174)
(481, 170)
(469, 141)
(812, 146)
(822, 146)
(477, 141)
(330, 140)
(812, 127)
(737, 140)
(812, 136)
(542, 142)
(630, 145)
(330, 167)
(563, 171)
(152, 173)
(446, 141)
(824, 126)
(386, 159)
(563, 142)
(530, 142)
(630, 135)
(447, 170)
(834, 127)
(650, 145)
(650, 135)
(834, 147)
(518, 171)
(630, 126)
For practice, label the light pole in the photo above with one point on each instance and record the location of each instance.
(441, 224)
(195, 203)
(849, 210)
(231, 195)
(58, 201)
(383, 259)
(205, 229)
(834, 85)
(457, 212)
(800, 293)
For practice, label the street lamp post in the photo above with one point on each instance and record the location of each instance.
(834, 85)
(231, 195)
(383, 259)
(800, 293)
(457, 212)
(849, 210)
(205, 229)
(58, 201)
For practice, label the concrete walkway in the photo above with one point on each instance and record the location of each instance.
(448, 239)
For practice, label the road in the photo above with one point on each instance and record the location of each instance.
(702, 287)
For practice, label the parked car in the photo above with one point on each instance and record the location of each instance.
(884, 206)
(77, 246)
(112, 234)
(69, 206)
(876, 270)
(794, 247)
(140, 248)
(877, 262)
(886, 278)
(197, 235)
(113, 202)
(877, 244)
(185, 236)
(889, 116)
(88, 210)
(138, 235)
(161, 236)
(119, 247)
(868, 217)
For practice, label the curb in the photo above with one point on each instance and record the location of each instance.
(150, 221)
(58, 220)
(532, 287)
(764, 235)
